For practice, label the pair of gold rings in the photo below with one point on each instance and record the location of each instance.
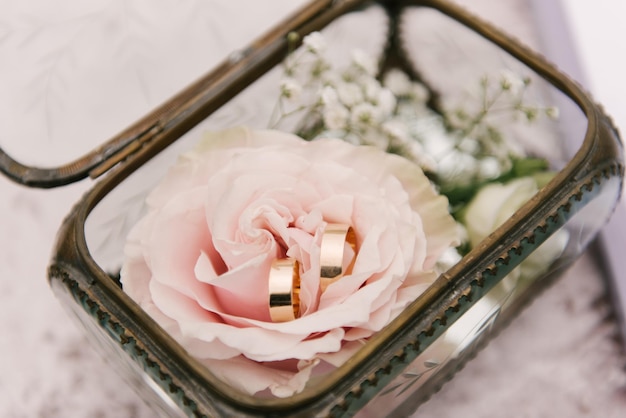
(284, 278)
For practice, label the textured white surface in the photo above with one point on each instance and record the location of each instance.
(559, 358)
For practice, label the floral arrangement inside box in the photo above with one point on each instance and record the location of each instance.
(273, 255)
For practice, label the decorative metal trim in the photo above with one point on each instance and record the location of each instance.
(487, 279)
(131, 346)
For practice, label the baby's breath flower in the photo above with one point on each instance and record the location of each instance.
(372, 136)
(291, 65)
(531, 113)
(469, 145)
(511, 82)
(371, 89)
(335, 116)
(331, 78)
(364, 114)
(457, 117)
(364, 62)
(386, 102)
(318, 69)
(328, 96)
(398, 82)
(425, 161)
(290, 89)
(433, 135)
(350, 94)
(314, 42)
(402, 143)
(489, 168)
(419, 92)
(457, 167)
(552, 112)
(396, 129)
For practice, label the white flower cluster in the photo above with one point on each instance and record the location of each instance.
(480, 151)
(352, 103)
(356, 104)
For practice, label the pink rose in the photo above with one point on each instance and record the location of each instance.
(199, 261)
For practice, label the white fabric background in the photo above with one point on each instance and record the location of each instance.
(561, 357)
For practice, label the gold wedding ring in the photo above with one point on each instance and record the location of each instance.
(284, 279)
(332, 253)
(284, 290)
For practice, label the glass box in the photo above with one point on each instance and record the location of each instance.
(410, 358)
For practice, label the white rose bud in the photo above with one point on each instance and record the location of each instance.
(494, 204)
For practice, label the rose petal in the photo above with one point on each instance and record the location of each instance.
(252, 377)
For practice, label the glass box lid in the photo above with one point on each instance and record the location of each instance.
(76, 78)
